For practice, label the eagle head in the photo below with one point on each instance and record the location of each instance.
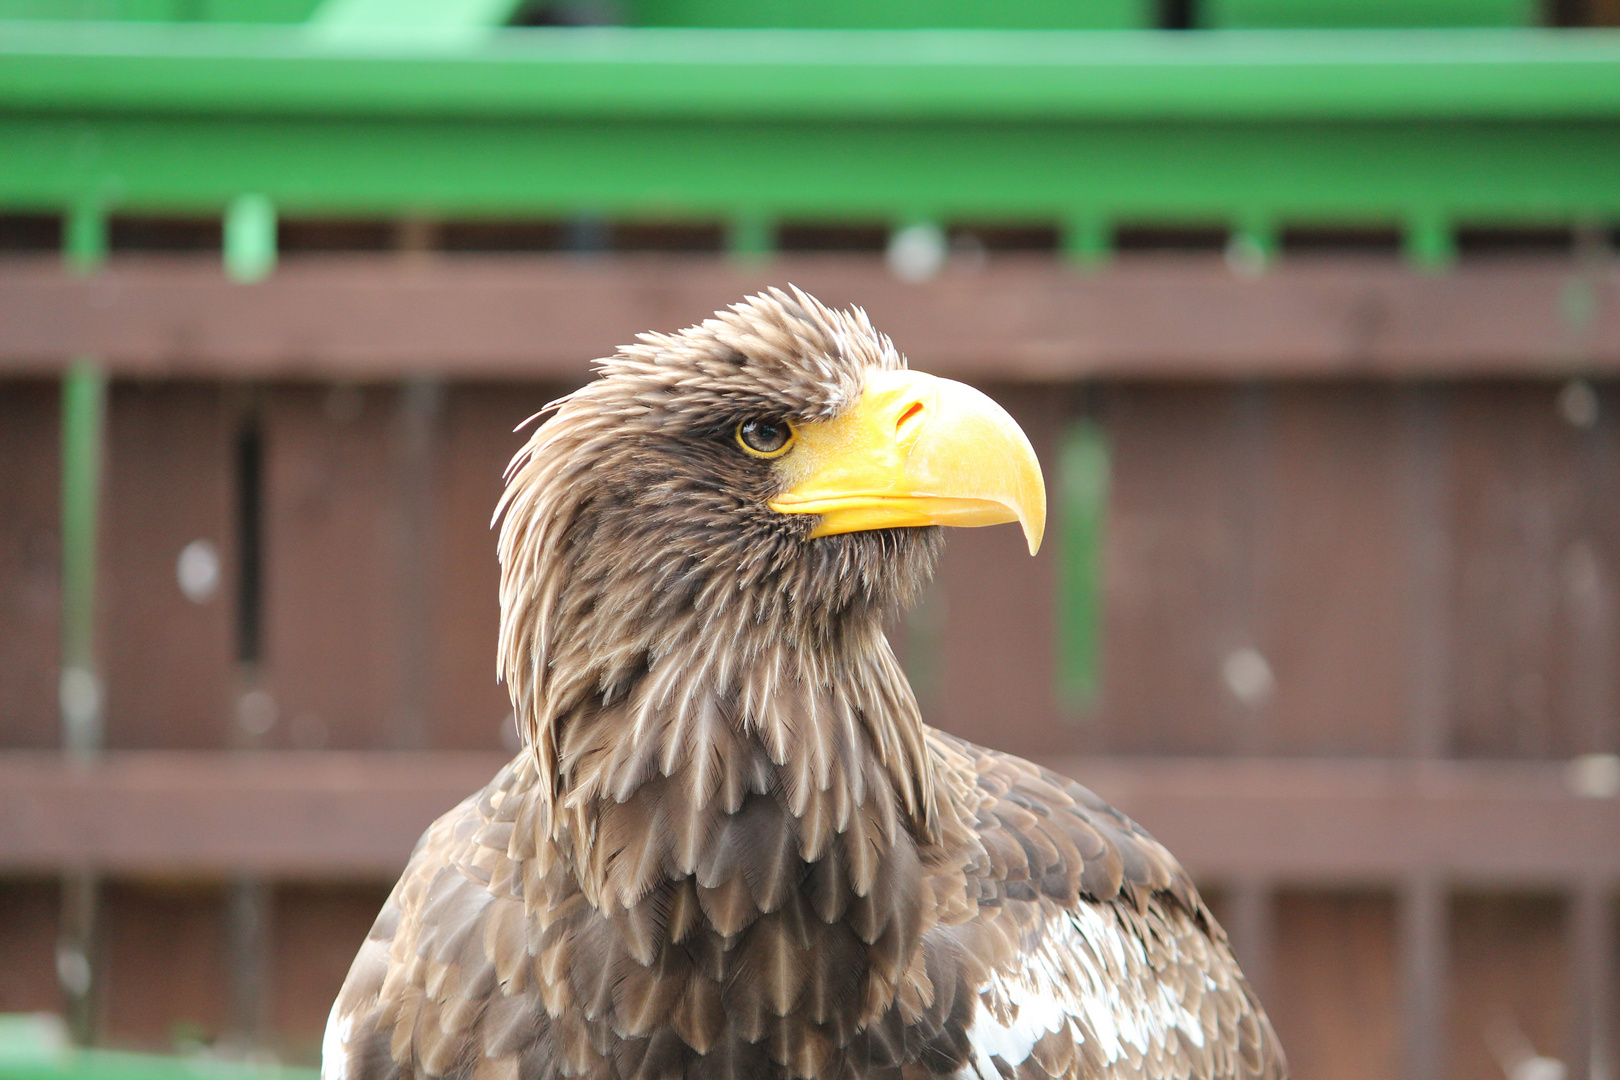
(724, 516)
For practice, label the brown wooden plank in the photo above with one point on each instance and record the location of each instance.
(1018, 317)
(30, 563)
(1335, 615)
(1295, 821)
(1336, 1003)
(168, 483)
(29, 910)
(1537, 556)
(1178, 582)
(161, 964)
(996, 662)
(471, 710)
(301, 815)
(332, 658)
(317, 930)
(1350, 823)
(1423, 910)
(1592, 945)
(1507, 985)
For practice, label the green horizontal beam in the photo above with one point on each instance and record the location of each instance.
(752, 74)
(1252, 130)
(1195, 173)
(111, 1065)
(34, 1047)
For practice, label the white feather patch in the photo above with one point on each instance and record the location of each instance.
(1089, 973)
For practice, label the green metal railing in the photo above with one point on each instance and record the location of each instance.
(1254, 131)
(35, 1047)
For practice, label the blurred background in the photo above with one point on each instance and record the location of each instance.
(1309, 306)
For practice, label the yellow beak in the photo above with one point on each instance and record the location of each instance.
(915, 450)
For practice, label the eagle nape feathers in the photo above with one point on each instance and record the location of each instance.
(730, 848)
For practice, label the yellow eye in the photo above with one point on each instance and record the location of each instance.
(765, 438)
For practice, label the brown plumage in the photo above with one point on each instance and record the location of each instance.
(731, 848)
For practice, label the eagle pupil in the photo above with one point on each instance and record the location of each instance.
(763, 436)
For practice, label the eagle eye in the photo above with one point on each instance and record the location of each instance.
(765, 438)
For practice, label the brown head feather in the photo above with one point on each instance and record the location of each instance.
(657, 617)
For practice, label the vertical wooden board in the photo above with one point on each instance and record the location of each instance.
(318, 930)
(30, 562)
(330, 635)
(1508, 983)
(996, 666)
(1180, 577)
(1335, 1003)
(162, 963)
(29, 911)
(169, 482)
(1586, 692)
(1517, 507)
(472, 710)
(1335, 616)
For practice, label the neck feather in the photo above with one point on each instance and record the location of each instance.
(831, 733)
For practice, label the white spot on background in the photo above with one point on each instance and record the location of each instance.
(1248, 675)
(197, 571)
(79, 695)
(1578, 403)
(257, 712)
(917, 252)
(73, 971)
(1594, 776)
(1539, 1068)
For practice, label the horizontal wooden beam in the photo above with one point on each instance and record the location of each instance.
(356, 815)
(543, 317)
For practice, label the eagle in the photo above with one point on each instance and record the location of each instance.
(730, 848)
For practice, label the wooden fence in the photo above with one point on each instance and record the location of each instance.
(1358, 601)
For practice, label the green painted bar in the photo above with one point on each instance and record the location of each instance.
(1530, 173)
(1430, 241)
(1481, 127)
(753, 74)
(84, 406)
(1087, 240)
(34, 1047)
(750, 235)
(250, 238)
(896, 14)
(1342, 14)
(223, 11)
(84, 236)
(1082, 490)
(1254, 243)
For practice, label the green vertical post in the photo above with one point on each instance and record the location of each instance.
(1430, 242)
(250, 238)
(84, 249)
(84, 403)
(84, 237)
(1087, 241)
(1083, 482)
(80, 698)
(750, 236)
(1253, 246)
(84, 394)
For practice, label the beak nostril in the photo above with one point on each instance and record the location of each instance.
(912, 413)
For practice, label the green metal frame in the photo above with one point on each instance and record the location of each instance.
(33, 1047)
(1254, 129)
(1083, 477)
